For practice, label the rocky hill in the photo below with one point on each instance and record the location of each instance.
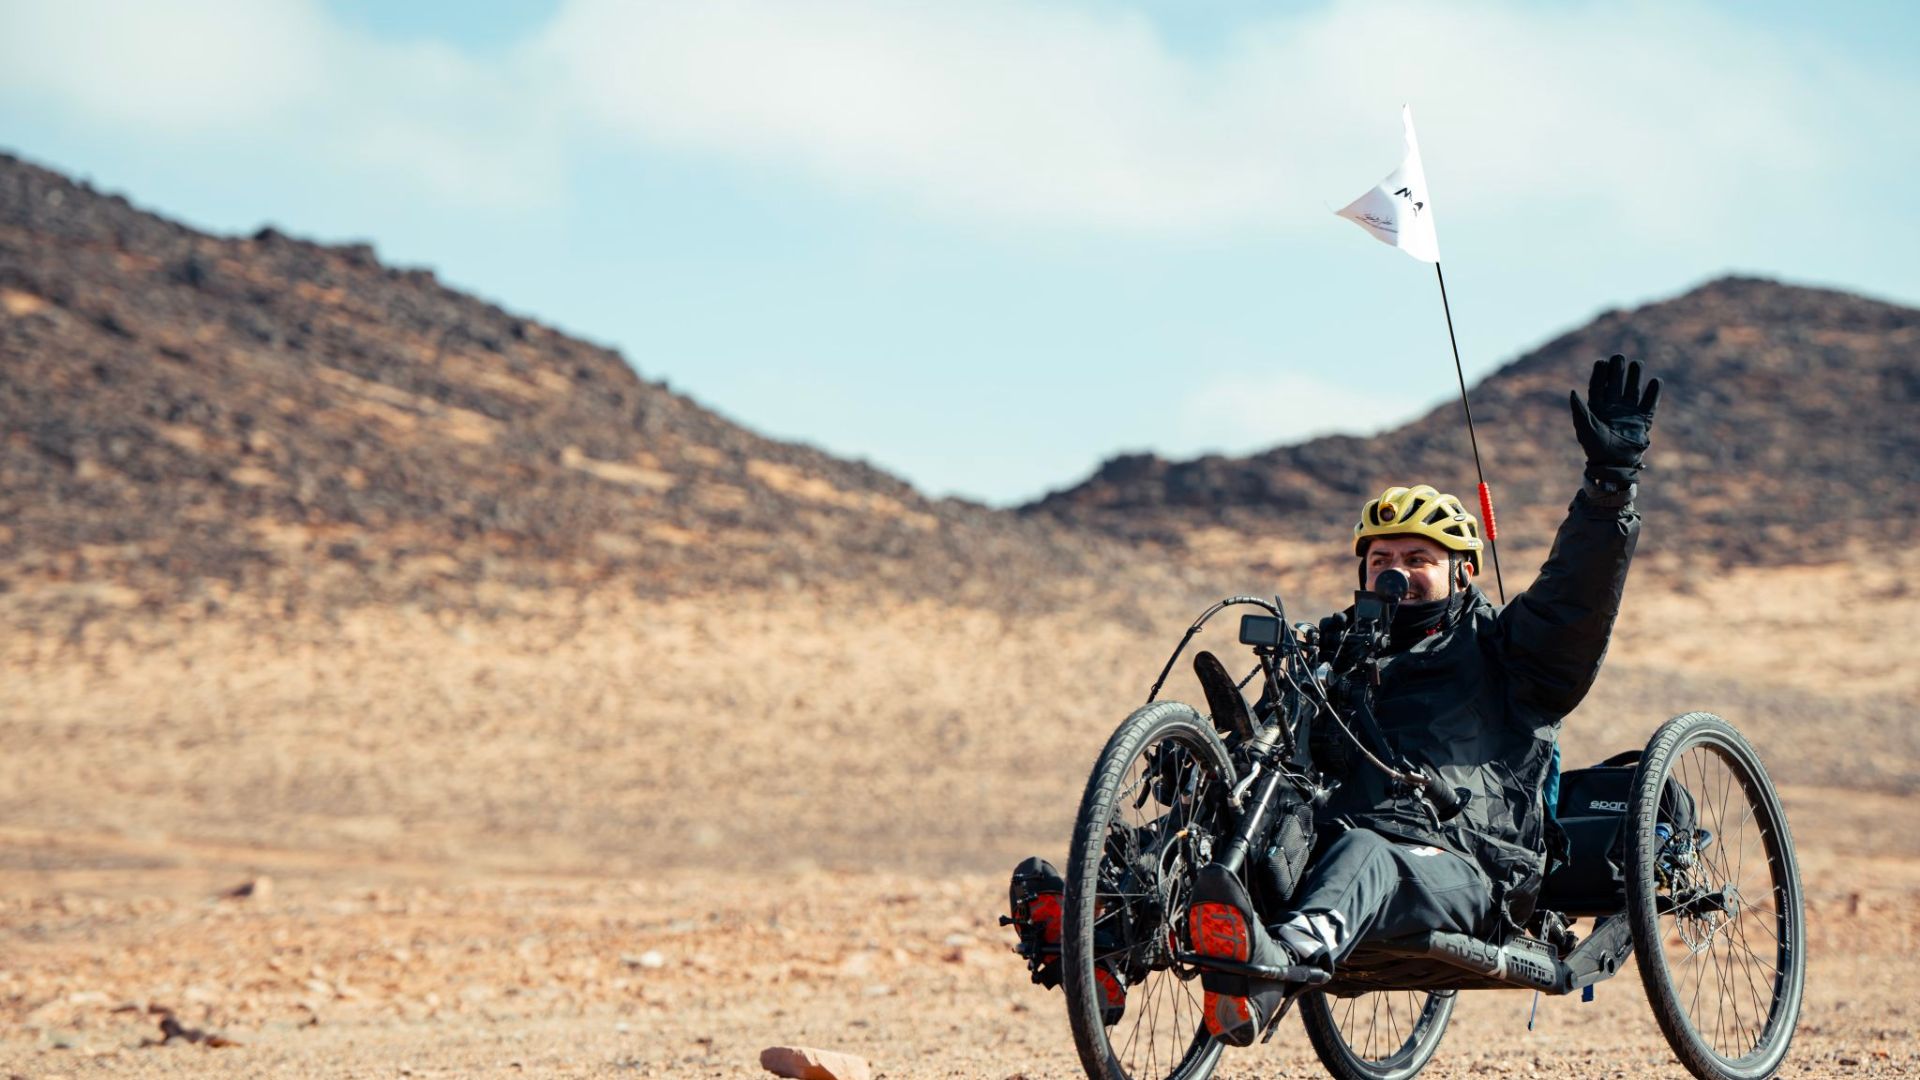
(1786, 430)
(195, 423)
(190, 421)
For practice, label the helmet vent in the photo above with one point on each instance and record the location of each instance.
(1419, 511)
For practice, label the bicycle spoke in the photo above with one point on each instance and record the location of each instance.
(1719, 998)
(1157, 810)
(1729, 926)
(1731, 990)
(1747, 963)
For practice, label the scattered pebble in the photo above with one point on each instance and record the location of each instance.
(259, 890)
(806, 1063)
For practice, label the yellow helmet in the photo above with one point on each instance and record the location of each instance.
(1420, 511)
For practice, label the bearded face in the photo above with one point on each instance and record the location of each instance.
(1425, 563)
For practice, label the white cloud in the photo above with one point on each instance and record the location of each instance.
(1240, 413)
(284, 76)
(189, 67)
(1649, 116)
(992, 108)
(1087, 117)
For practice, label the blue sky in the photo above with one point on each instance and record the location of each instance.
(986, 245)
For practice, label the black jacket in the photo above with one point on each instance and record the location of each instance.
(1482, 700)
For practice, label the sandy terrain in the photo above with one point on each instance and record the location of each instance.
(367, 971)
(478, 836)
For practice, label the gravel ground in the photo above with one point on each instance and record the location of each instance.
(379, 971)
(514, 848)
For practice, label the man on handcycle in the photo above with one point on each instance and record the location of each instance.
(1466, 690)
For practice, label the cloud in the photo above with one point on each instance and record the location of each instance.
(997, 109)
(190, 67)
(285, 76)
(1090, 118)
(1601, 117)
(1241, 413)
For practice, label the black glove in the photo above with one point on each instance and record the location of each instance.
(1614, 420)
(1333, 629)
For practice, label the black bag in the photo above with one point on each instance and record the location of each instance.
(1593, 814)
(1283, 862)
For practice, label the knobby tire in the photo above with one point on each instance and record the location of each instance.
(1165, 1003)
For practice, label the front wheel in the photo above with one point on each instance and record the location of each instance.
(1384, 1035)
(1153, 812)
(1714, 900)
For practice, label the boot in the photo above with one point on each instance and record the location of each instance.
(1034, 896)
(1223, 925)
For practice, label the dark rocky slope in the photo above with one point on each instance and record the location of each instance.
(190, 421)
(189, 418)
(1788, 428)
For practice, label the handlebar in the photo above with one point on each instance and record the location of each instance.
(1374, 611)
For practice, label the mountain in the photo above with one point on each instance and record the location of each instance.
(303, 553)
(1786, 432)
(193, 421)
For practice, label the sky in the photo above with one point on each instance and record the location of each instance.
(987, 245)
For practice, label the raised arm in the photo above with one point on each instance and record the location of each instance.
(1554, 634)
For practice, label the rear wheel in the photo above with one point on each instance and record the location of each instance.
(1714, 899)
(1154, 809)
(1385, 1035)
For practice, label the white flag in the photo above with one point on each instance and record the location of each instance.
(1398, 210)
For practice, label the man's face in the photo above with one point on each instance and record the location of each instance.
(1424, 562)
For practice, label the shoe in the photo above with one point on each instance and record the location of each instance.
(1034, 896)
(1220, 921)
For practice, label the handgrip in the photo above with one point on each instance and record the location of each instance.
(1447, 802)
(1486, 512)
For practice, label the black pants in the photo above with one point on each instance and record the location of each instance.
(1377, 888)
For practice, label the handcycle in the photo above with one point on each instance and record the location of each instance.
(1697, 877)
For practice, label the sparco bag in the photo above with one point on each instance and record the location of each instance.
(1593, 813)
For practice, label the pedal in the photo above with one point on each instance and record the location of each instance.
(1286, 1004)
(1304, 974)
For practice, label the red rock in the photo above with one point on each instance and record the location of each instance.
(259, 889)
(806, 1063)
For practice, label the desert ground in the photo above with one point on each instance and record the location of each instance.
(608, 836)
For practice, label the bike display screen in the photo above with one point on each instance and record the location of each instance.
(1259, 630)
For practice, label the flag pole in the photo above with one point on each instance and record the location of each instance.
(1486, 495)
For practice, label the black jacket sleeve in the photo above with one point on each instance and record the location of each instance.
(1554, 635)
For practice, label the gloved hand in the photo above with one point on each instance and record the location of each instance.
(1333, 628)
(1613, 422)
